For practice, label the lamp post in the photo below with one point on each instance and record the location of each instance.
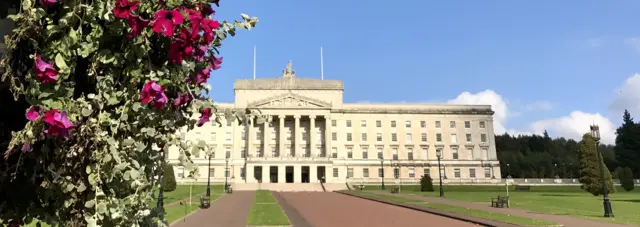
(160, 203)
(508, 171)
(439, 155)
(209, 178)
(226, 174)
(608, 212)
(555, 169)
(382, 169)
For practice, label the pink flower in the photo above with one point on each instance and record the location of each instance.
(166, 20)
(208, 26)
(59, 124)
(204, 118)
(153, 93)
(45, 71)
(215, 62)
(47, 3)
(124, 7)
(137, 24)
(33, 113)
(200, 52)
(176, 51)
(183, 98)
(194, 16)
(202, 76)
(26, 147)
(207, 10)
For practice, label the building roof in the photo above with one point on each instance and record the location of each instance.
(288, 81)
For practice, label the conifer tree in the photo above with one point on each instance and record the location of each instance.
(590, 168)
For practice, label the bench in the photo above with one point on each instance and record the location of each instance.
(228, 189)
(395, 190)
(361, 187)
(523, 187)
(500, 201)
(205, 202)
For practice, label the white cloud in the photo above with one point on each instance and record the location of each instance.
(487, 97)
(627, 96)
(575, 125)
(634, 42)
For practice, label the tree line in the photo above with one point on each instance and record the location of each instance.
(540, 156)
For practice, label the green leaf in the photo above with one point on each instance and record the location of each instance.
(134, 174)
(73, 35)
(81, 187)
(101, 208)
(86, 112)
(62, 65)
(44, 94)
(163, 82)
(91, 221)
(90, 203)
(128, 142)
(136, 106)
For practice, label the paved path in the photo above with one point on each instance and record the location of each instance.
(230, 210)
(566, 221)
(327, 209)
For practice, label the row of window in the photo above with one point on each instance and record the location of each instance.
(409, 137)
(407, 124)
(412, 172)
(455, 155)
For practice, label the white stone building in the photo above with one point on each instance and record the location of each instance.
(312, 134)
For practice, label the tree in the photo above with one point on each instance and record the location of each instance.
(626, 178)
(627, 149)
(426, 183)
(168, 179)
(97, 90)
(590, 168)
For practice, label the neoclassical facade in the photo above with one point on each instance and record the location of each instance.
(311, 135)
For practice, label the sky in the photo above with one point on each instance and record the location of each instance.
(542, 65)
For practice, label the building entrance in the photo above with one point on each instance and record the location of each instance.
(257, 173)
(289, 174)
(305, 174)
(273, 174)
(321, 174)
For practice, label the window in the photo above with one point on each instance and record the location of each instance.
(379, 137)
(243, 153)
(288, 135)
(212, 172)
(396, 173)
(378, 123)
(258, 135)
(423, 137)
(456, 173)
(454, 152)
(407, 124)
(363, 123)
(365, 153)
(423, 124)
(393, 124)
(334, 136)
(365, 172)
(349, 152)
(335, 172)
(408, 139)
(213, 137)
(452, 124)
(412, 172)
(483, 138)
(485, 154)
(350, 173)
(427, 171)
(394, 137)
(228, 123)
(334, 123)
(319, 137)
(482, 124)
(454, 138)
(469, 153)
(380, 172)
(334, 152)
(395, 153)
(437, 124)
(273, 136)
(380, 153)
(487, 172)
(349, 136)
(467, 124)
(348, 123)
(472, 173)
(196, 153)
(364, 137)
(227, 153)
(438, 137)
(242, 172)
(274, 152)
(227, 136)
(468, 138)
(410, 154)
(180, 173)
(305, 136)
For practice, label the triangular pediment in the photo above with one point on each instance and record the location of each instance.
(288, 101)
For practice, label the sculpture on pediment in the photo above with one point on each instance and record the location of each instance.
(288, 72)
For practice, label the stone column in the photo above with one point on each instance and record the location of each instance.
(282, 174)
(266, 175)
(250, 137)
(281, 137)
(297, 174)
(327, 135)
(313, 174)
(266, 143)
(248, 174)
(296, 136)
(312, 135)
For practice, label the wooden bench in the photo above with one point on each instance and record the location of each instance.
(361, 187)
(204, 202)
(523, 187)
(395, 190)
(229, 189)
(500, 201)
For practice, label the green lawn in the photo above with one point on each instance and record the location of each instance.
(176, 213)
(524, 221)
(265, 211)
(564, 200)
(182, 191)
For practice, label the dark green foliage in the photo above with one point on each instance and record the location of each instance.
(590, 168)
(168, 179)
(626, 178)
(426, 183)
(628, 144)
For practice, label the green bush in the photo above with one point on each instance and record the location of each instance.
(626, 178)
(168, 179)
(590, 168)
(426, 183)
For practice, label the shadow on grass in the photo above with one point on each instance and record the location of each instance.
(561, 195)
(627, 200)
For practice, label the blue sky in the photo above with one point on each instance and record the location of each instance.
(541, 61)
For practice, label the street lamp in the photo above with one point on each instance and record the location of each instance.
(226, 174)
(382, 169)
(595, 133)
(439, 155)
(160, 203)
(555, 169)
(508, 171)
(209, 178)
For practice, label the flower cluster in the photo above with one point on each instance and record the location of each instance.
(44, 71)
(58, 122)
(153, 93)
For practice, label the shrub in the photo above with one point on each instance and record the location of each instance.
(590, 168)
(168, 179)
(426, 183)
(626, 178)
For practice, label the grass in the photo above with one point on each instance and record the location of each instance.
(563, 200)
(517, 220)
(175, 213)
(265, 211)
